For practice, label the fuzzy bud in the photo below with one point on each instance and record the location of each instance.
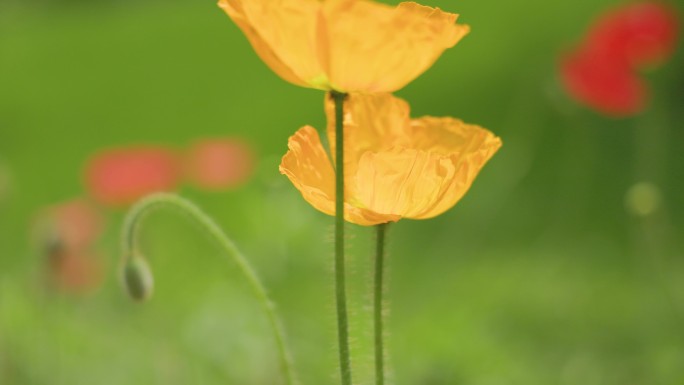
(137, 278)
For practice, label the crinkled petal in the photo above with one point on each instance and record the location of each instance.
(409, 168)
(400, 181)
(285, 35)
(378, 48)
(370, 122)
(446, 135)
(309, 169)
(463, 149)
(429, 178)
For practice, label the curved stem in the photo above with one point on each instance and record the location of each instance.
(340, 285)
(134, 220)
(378, 304)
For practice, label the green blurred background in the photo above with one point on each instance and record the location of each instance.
(539, 276)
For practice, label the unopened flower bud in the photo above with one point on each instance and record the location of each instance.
(137, 277)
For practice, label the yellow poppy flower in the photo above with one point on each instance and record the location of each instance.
(345, 45)
(395, 167)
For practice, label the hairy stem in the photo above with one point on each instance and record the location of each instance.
(378, 304)
(340, 285)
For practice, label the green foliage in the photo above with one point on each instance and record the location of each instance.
(539, 276)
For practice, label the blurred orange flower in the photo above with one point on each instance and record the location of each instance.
(345, 45)
(395, 167)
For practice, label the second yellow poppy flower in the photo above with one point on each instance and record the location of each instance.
(345, 45)
(395, 167)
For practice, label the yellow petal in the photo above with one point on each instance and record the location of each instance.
(371, 121)
(420, 184)
(447, 135)
(378, 48)
(409, 168)
(285, 35)
(309, 169)
(401, 181)
(307, 166)
(464, 148)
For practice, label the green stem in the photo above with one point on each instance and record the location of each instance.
(378, 304)
(340, 285)
(133, 222)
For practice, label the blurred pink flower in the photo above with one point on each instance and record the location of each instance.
(602, 71)
(76, 223)
(119, 177)
(217, 164)
(66, 235)
(76, 273)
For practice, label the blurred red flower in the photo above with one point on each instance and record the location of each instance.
(216, 164)
(599, 82)
(119, 177)
(602, 71)
(637, 34)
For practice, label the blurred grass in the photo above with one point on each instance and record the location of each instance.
(536, 277)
